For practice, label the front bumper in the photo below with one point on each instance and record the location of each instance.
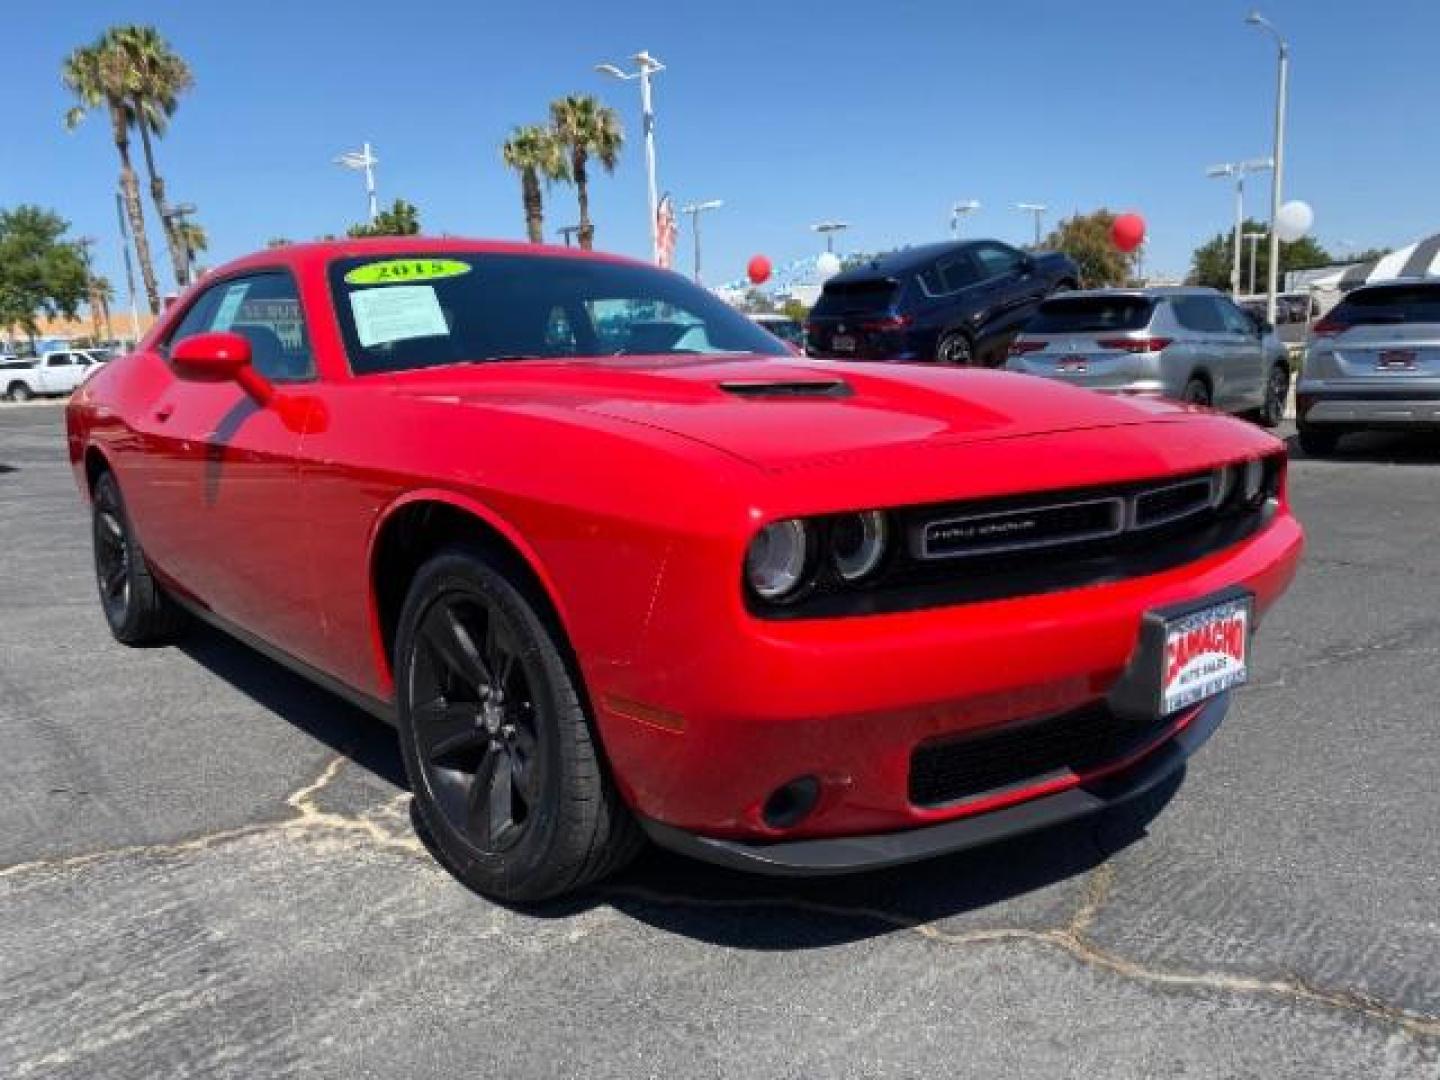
(1358, 406)
(849, 854)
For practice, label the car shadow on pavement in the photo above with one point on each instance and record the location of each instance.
(345, 728)
(1379, 448)
(1034, 873)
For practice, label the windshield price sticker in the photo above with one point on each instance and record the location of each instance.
(383, 316)
(403, 271)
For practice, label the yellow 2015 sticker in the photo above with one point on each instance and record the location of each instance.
(395, 271)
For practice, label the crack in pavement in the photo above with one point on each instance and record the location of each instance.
(1072, 938)
(308, 816)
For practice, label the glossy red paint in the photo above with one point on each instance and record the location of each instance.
(631, 488)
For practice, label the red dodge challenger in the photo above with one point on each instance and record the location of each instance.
(618, 565)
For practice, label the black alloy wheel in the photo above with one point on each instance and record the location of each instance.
(955, 349)
(136, 609)
(503, 762)
(1277, 393)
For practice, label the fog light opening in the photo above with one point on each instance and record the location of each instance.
(791, 803)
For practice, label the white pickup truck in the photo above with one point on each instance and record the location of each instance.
(51, 373)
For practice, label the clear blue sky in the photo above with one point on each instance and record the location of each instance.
(879, 113)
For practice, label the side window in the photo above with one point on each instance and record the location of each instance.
(958, 273)
(1199, 313)
(1236, 321)
(996, 261)
(59, 360)
(264, 309)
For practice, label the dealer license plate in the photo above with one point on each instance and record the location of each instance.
(1206, 653)
(842, 343)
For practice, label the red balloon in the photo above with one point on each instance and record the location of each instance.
(1128, 231)
(758, 270)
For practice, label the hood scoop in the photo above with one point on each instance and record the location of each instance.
(788, 389)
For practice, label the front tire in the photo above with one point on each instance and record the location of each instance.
(1197, 392)
(503, 763)
(19, 391)
(955, 349)
(1277, 393)
(136, 609)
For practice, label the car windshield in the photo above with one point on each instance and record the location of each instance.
(1390, 304)
(399, 312)
(1084, 314)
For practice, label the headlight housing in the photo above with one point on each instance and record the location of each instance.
(858, 543)
(777, 559)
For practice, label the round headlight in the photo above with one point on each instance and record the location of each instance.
(1254, 480)
(857, 543)
(775, 563)
(1224, 485)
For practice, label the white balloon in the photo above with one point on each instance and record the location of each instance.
(827, 265)
(1294, 220)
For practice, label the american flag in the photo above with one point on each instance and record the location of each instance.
(665, 232)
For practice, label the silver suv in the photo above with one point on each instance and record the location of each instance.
(1372, 362)
(1189, 344)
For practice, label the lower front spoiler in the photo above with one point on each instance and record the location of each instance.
(849, 854)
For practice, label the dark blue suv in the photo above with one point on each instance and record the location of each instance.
(953, 303)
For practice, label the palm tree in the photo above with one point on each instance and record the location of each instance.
(157, 79)
(101, 294)
(534, 152)
(99, 76)
(587, 129)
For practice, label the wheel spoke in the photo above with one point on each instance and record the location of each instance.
(448, 729)
(113, 526)
(491, 809)
(499, 653)
(114, 579)
(455, 647)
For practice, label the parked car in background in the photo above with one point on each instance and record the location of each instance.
(782, 326)
(951, 303)
(779, 614)
(1372, 362)
(51, 374)
(1189, 344)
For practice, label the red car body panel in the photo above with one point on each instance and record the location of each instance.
(632, 488)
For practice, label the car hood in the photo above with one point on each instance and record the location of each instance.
(779, 414)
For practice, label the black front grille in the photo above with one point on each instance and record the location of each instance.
(1174, 501)
(1015, 530)
(964, 767)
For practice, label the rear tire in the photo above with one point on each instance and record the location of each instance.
(1277, 394)
(136, 608)
(1197, 392)
(955, 349)
(19, 391)
(1318, 442)
(503, 762)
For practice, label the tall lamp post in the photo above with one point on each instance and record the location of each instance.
(1254, 238)
(645, 66)
(363, 160)
(695, 209)
(1277, 177)
(1036, 209)
(1239, 170)
(959, 210)
(828, 229)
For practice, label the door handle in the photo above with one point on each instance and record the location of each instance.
(163, 412)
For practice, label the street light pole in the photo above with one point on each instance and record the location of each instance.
(695, 210)
(646, 65)
(363, 160)
(1254, 238)
(568, 231)
(178, 214)
(959, 210)
(129, 272)
(1239, 170)
(828, 229)
(1282, 78)
(1038, 210)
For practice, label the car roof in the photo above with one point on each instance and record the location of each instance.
(904, 261)
(321, 252)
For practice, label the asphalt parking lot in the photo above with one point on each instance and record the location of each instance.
(207, 868)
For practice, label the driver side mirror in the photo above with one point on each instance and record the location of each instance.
(218, 356)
